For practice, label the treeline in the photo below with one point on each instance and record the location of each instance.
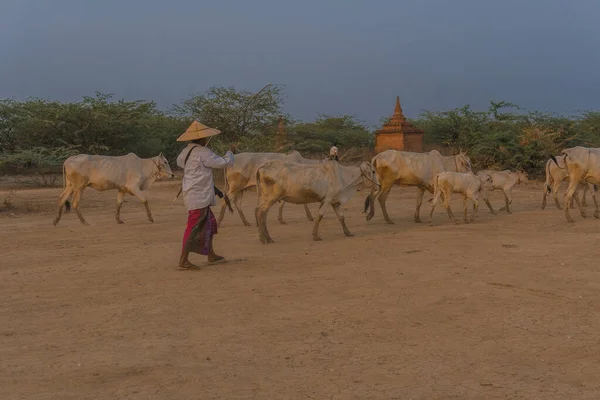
(37, 135)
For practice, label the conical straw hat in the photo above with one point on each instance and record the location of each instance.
(197, 131)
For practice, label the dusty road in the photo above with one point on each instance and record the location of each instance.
(505, 308)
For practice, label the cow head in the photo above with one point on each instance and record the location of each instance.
(163, 168)
(463, 162)
(369, 176)
(523, 177)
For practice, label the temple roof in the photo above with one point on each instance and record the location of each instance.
(398, 124)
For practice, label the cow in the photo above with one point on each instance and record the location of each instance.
(554, 176)
(583, 166)
(467, 184)
(128, 174)
(329, 184)
(504, 181)
(410, 169)
(242, 175)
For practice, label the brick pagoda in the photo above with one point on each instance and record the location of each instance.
(399, 134)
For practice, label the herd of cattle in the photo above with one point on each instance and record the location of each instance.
(291, 178)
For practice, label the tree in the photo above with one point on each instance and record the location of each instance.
(237, 114)
(320, 135)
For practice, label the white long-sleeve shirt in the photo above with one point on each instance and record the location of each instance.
(198, 185)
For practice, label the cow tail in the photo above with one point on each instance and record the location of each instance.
(546, 184)
(556, 162)
(370, 196)
(67, 203)
(436, 188)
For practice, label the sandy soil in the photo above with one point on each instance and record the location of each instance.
(505, 308)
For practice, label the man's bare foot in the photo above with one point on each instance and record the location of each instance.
(214, 257)
(188, 265)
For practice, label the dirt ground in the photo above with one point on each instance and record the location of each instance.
(505, 308)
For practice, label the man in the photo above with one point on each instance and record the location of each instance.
(198, 160)
(333, 153)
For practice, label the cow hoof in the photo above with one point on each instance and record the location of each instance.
(597, 215)
(55, 222)
(389, 221)
(583, 215)
(311, 219)
(151, 220)
(269, 240)
(349, 234)
(119, 221)
(369, 216)
(509, 212)
(282, 222)
(317, 239)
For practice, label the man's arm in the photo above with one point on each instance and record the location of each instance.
(211, 160)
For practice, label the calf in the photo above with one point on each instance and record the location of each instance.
(468, 184)
(504, 181)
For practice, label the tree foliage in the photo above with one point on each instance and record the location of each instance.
(37, 135)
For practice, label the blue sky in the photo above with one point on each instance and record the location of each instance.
(333, 56)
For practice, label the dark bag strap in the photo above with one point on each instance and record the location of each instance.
(217, 191)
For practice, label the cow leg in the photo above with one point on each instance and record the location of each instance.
(308, 214)
(280, 216)
(382, 198)
(370, 203)
(138, 193)
(585, 189)
(555, 188)
(507, 201)
(475, 207)
(545, 191)
(223, 209)
(261, 218)
(120, 197)
(596, 212)
(569, 194)
(420, 194)
(76, 200)
(436, 197)
(237, 202)
(62, 200)
(486, 199)
(320, 215)
(465, 207)
(340, 215)
(447, 207)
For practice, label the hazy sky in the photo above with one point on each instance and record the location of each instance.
(334, 56)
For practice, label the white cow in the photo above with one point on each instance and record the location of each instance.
(405, 168)
(583, 166)
(467, 184)
(127, 174)
(329, 184)
(242, 175)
